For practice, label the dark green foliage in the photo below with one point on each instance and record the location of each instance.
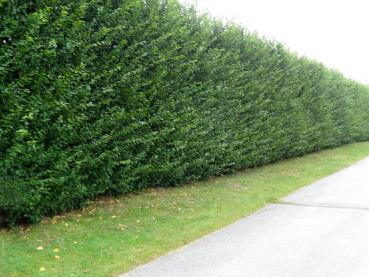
(109, 97)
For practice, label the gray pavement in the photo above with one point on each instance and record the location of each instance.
(321, 230)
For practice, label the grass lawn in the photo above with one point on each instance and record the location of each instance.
(114, 235)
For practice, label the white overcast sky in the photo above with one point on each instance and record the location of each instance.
(334, 32)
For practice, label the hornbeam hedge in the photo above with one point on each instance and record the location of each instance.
(109, 97)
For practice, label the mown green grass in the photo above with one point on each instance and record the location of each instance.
(114, 235)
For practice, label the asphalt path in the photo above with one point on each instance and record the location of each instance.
(321, 230)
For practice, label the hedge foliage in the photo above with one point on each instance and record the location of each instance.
(109, 97)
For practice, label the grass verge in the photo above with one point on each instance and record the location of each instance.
(114, 235)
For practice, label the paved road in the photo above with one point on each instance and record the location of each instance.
(321, 230)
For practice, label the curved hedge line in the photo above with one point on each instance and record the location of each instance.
(109, 97)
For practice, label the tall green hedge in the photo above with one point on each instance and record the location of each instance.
(109, 97)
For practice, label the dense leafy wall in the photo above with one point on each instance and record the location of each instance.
(115, 96)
